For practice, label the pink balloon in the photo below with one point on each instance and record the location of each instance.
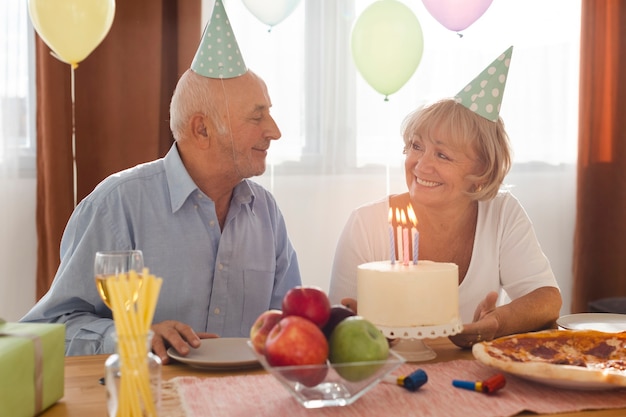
(457, 15)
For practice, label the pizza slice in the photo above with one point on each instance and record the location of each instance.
(587, 356)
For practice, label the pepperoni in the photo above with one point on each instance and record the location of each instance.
(543, 352)
(601, 350)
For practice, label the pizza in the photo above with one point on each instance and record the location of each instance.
(585, 356)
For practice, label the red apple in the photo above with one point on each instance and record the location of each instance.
(261, 328)
(337, 314)
(296, 341)
(309, 302)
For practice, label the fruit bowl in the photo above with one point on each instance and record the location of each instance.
(331, 385)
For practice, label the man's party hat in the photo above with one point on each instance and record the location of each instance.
(218, 55)
(483, 95)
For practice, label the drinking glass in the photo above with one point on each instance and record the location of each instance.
(113, 263)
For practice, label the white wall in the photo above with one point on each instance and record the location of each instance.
(315, 208)
(549, 198)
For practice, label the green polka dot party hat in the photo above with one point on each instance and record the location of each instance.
(483, 95)
(218, 55)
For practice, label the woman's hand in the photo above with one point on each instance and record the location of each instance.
(485, 325)
(178, 335)
(534, 311)
(349, 303)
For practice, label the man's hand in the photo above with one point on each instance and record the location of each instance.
(485, 325)
(177, 335)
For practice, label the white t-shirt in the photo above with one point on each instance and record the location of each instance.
(506, 255)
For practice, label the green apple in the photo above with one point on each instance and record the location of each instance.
(356, 339)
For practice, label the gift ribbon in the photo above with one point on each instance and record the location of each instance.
(38, 377)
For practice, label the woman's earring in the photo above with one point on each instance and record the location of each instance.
(479, 188)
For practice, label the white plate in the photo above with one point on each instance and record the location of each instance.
(220, 353)
(603, 322)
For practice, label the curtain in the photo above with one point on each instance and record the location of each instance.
(121, 110)
(599, 243)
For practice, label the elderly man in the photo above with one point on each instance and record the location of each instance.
(217, 239)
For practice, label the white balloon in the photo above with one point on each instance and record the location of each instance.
(271, 12)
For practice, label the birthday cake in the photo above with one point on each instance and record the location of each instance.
(405, 300)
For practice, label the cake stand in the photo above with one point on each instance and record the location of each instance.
(411, 346)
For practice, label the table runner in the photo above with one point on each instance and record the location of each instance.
(262, 395)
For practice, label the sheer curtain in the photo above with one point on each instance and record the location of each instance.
(341, 144)
(17, 162)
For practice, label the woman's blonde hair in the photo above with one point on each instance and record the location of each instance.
(463, 128)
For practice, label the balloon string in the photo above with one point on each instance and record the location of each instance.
(74, 171)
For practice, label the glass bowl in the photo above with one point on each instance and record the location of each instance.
(331, 385)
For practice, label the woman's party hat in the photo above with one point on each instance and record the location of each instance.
(483, 95)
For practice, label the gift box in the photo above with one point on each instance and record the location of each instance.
(32, 360)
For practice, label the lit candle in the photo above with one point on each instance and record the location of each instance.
(399, 234)
(405, 240)
(392, 246)
(415, 234)
(405, 236)
(416, 238)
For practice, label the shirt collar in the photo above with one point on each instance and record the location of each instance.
(244, 195)
(181, 185)
(179, 182)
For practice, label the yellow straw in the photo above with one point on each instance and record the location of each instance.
(133, 301)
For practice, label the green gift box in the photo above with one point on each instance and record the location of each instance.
(32, 361)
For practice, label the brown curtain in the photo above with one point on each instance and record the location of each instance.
(600, 237)
(122, 93)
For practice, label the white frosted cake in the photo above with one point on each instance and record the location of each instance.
(407, 296)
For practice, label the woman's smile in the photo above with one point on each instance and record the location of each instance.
(427, 183)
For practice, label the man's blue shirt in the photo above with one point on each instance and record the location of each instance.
(214, 280)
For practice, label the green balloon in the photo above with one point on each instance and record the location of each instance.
(387, 45)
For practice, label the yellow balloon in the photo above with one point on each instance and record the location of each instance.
(72, 28)
(387, 45)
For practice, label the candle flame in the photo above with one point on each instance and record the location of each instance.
(398, 218)
(411, 213)
(403, 216)
(390, 215)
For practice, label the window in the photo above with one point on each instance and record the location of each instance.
(17, 121)
(341, 144)
(332, 121)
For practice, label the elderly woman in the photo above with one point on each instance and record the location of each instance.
(456, 161)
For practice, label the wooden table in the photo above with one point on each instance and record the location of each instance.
(84, 396)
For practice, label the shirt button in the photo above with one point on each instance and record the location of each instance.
(217, 310)
(220, 267)
(212, 223)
